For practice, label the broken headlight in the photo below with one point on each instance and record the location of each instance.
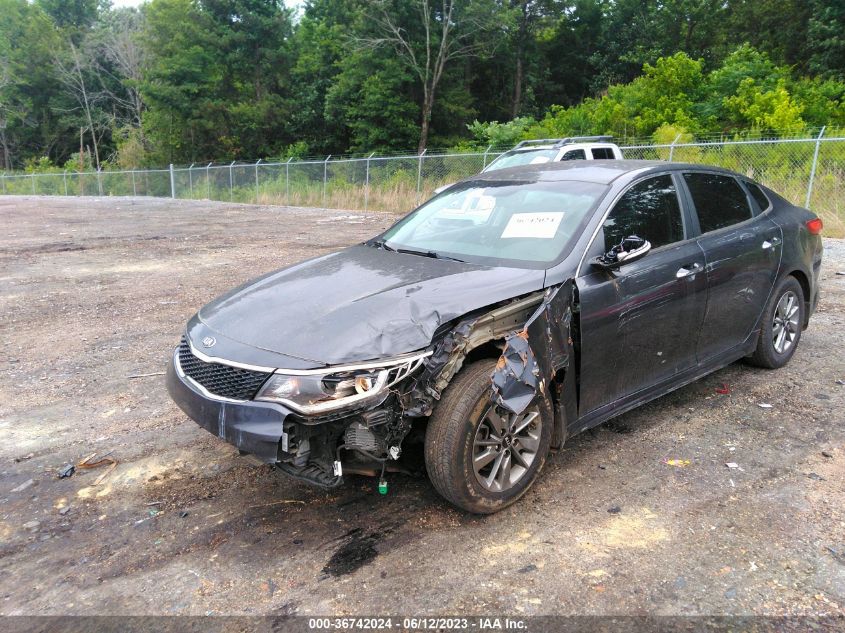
(316, 391)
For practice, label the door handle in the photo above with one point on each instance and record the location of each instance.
(689, 269)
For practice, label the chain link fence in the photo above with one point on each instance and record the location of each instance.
(808, 170)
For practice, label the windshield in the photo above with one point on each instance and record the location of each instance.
(507, 223)
(515, 158)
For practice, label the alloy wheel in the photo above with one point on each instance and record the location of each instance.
(505, 446)
(785, 322)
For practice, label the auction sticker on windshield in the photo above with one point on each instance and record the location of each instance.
(541, 225)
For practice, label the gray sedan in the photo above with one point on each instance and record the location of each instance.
(506, 314)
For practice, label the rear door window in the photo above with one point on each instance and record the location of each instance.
(649, 210)
(575, 154)
(602, 153)
(719, 200)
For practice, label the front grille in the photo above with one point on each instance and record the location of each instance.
(221, 380)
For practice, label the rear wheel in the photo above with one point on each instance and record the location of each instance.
(479, 456)
(780, 332)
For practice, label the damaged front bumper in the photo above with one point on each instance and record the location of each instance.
(306, 448)
(259, 428)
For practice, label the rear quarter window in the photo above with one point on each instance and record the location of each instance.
(719, 200)
(759, 196)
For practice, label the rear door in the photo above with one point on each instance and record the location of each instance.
(639, 324)
(742, 248)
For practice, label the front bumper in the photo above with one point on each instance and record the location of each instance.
(258, 428)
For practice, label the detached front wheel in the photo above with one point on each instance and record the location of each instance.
(479, 456)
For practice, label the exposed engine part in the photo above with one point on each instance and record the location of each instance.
(312, 474)
(359, 437)
(394, 452)
(376, 417)
(303, 452)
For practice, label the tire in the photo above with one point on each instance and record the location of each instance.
(775, 346)
(463, 427)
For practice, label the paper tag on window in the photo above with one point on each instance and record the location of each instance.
(541, 225)
(476, 207)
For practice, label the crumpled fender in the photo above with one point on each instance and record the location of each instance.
(535, 354)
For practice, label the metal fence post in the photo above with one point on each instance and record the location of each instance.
(32, 177)
(256, 181)
(208, 180)
(191, 179)
(64, 180)
(99, 181)
(3, 180)
(813, 168)
(231, 182)
(486, 151)
(287, 180)
(672, 147)
(367, 184)
(172, 183)
(419, 170)
(325, 177)
(134, 188)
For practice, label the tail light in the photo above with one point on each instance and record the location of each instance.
(815, 226)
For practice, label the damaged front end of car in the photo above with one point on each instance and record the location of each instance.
(318, 424)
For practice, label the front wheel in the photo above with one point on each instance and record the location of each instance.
(780, 331)
(479, 456)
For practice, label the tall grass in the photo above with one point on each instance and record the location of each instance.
(396, 185)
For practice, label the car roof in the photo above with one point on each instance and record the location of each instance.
(598, 171)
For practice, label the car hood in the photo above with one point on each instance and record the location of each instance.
(359, 304)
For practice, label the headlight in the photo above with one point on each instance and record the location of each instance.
(313, 392)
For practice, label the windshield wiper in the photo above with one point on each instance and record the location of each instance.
(382, 244)
(432, 254)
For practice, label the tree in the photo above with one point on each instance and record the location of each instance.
(122, 57)
(74, 72)
(529, 14)
(826, 38)
(216, 84)
(432, 35)
(777, 28)
(74, 18)
(28, 124)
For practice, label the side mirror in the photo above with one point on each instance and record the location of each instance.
(628, 250)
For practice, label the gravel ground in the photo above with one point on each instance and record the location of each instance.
(640, 516)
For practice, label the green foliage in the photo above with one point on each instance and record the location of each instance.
(826, 38)
(501, 134)
(747, 92)
(369, 94)
(131, 149)
(187, 81)
(40, 165)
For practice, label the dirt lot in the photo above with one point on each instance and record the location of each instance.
(94, 291)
